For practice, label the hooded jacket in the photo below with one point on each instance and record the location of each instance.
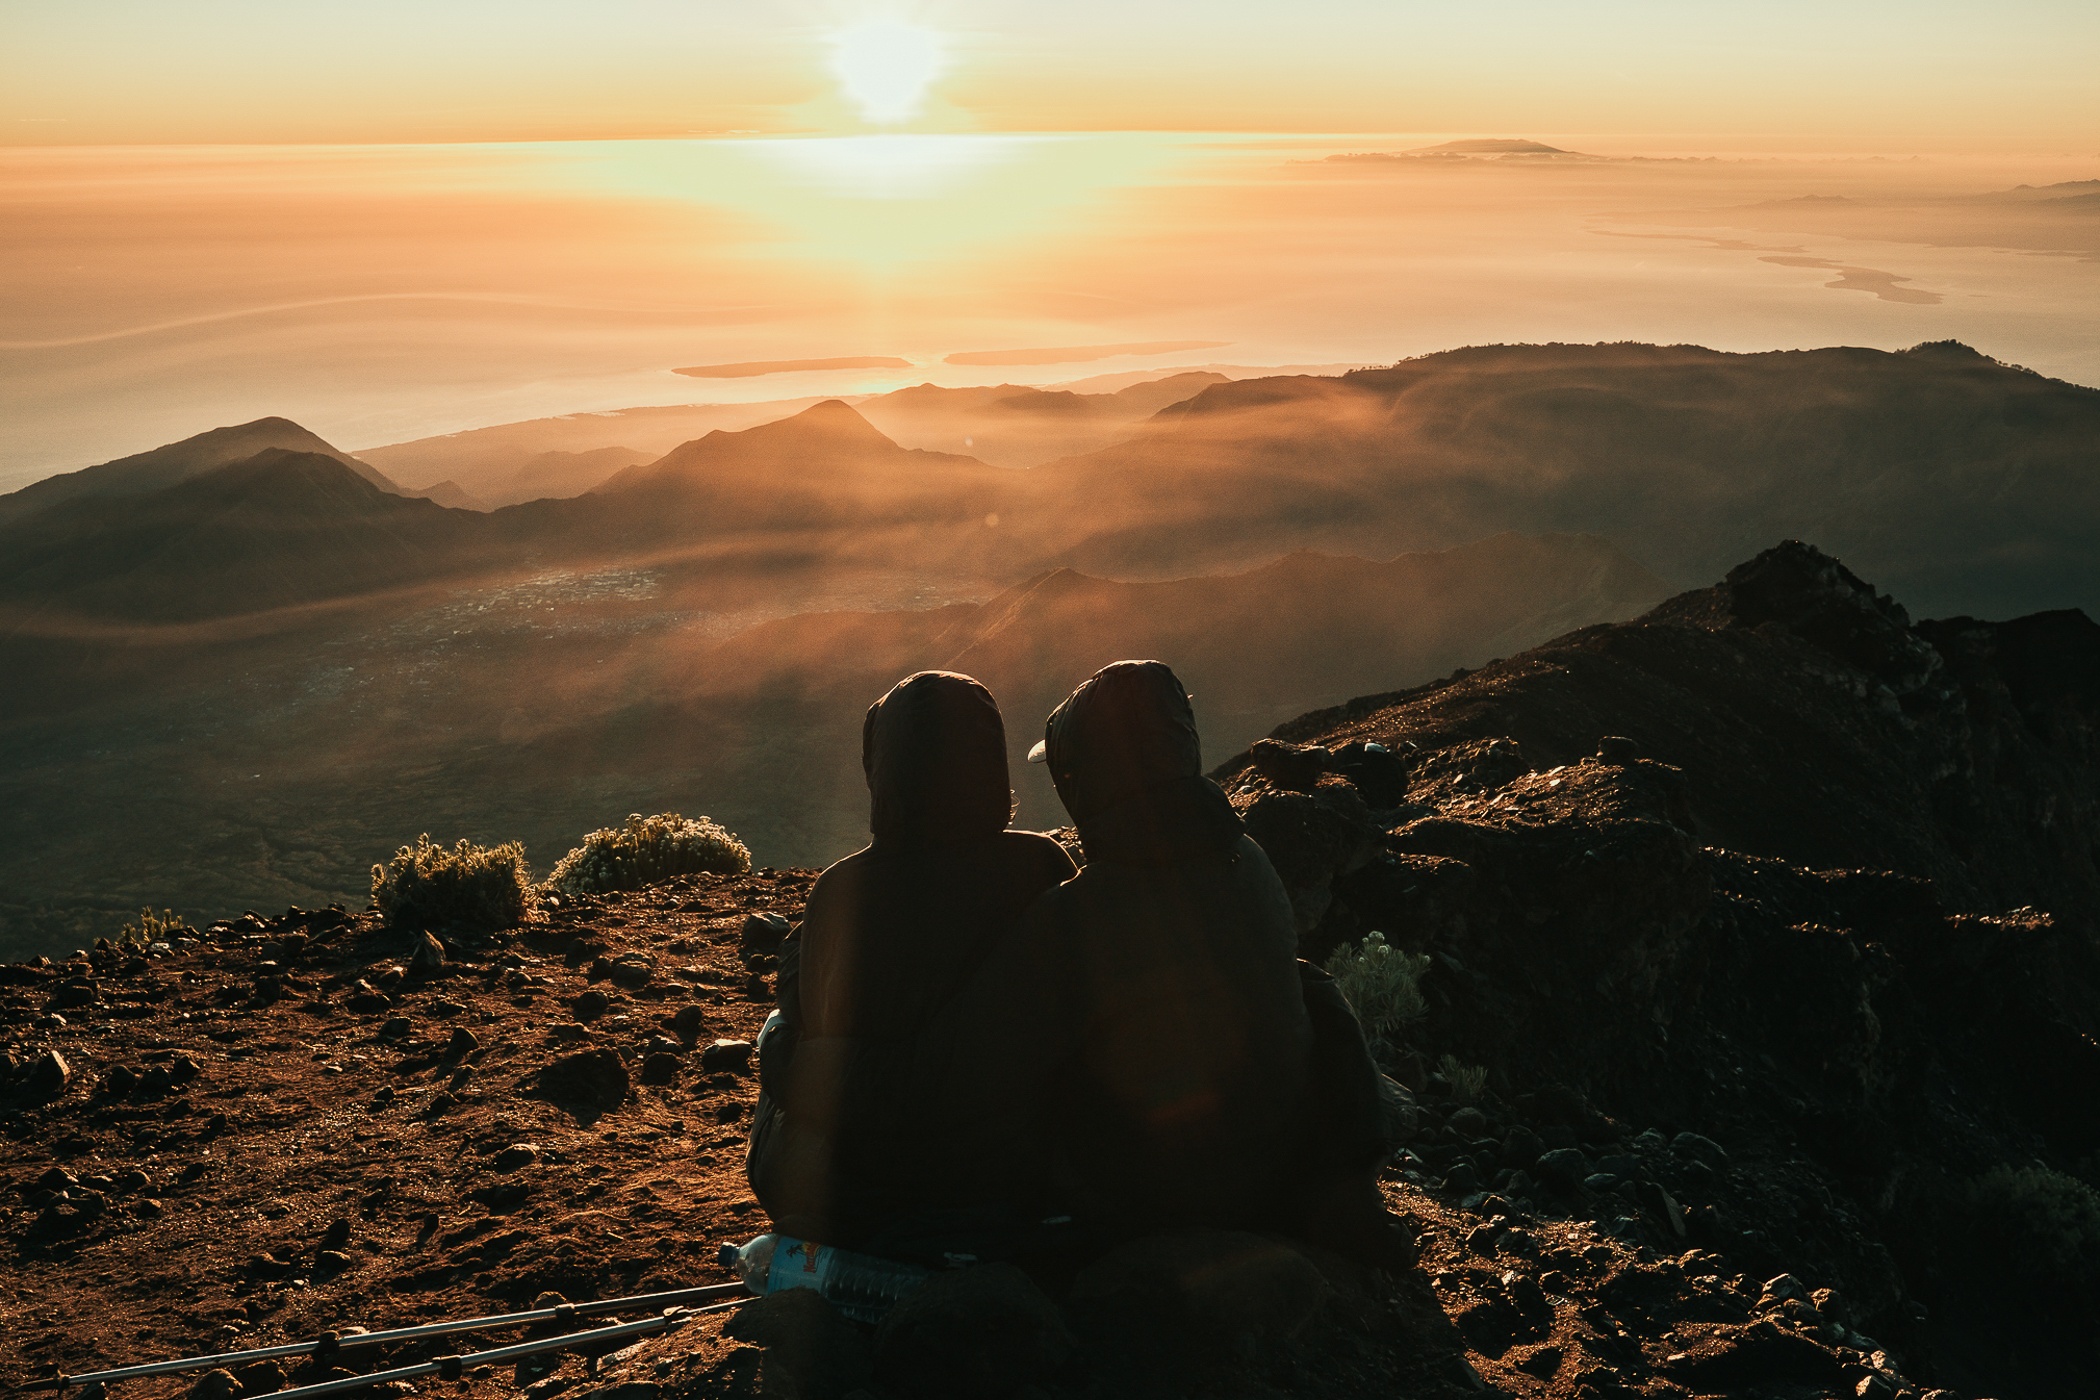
(848, 1143)
(1148, 1014)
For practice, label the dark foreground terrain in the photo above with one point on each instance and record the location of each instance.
(1758, 1060)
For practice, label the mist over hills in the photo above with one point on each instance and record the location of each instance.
(1965, 484)
(276, 647)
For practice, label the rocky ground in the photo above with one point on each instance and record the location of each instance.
(1691, 1118)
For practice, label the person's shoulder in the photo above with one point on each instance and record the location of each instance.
(842, 874)
(1036, 843)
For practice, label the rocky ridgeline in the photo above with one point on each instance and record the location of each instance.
(1742, 1070)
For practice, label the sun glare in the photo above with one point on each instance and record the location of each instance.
(885, 68)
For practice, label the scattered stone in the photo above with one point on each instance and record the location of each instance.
(1563, 1166)
(58, 1179)
(428, 960)
(688, 1022)
(120, 1081)
(592, 1079)
(1469, 1123)
(518, 1154)
(1291, 767)
(259, 1377)
(761, 935)
(461, 1043)
(660, 1068)
(732, 1056)
(1700, 1149)
(985, 1330)
(591, 1004)
(1618, 749)
(216, 1385)
(396, 1028)
(48, 1076)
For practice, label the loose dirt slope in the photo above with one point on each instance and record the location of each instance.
(1690, 1120)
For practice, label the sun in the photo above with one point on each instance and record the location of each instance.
(885, 67)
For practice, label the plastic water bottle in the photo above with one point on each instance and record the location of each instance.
(862, 1286)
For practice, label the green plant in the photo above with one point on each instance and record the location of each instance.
(2043, 1215)
(474, 888)
(151, 928)
(1384, 987)
(647, 849)
(1468, 1082)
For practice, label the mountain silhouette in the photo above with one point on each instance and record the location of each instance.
(162, 467)
(276, 528)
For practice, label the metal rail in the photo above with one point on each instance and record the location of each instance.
(330, 1343)
(452, 1367)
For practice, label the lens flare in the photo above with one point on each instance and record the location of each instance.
(885, 68)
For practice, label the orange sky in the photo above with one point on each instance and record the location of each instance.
(1928, 74)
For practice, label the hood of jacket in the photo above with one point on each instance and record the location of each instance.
(1123, 752)
(934, 751)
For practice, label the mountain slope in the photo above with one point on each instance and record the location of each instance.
(147, 472)
(277, 528)
(1966, 485)
(1010, 425)
(1775, 866)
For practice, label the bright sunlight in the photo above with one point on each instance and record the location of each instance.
(885, 68)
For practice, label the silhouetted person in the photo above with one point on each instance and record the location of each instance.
(850, 1146)
(1148, 1015)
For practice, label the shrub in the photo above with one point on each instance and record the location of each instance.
(474, 888)
(2046, 1217)
(646, 850)
(1383, 985)
(1468, 1082)
(152, 928)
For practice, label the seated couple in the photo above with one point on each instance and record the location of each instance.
(981, 1050)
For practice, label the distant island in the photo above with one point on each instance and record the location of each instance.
(1484, 149)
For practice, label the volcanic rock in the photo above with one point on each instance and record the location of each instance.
(591, 1079)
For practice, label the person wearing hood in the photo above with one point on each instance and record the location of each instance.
(1147, 1015)
(848, 1146)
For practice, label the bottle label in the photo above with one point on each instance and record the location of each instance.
(797, 1264)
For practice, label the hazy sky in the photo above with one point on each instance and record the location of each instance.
(1919, 74)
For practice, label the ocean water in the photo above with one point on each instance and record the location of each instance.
(380, 293)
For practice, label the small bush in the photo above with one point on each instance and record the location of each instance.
(646, 850)
(474, 888)
(152, 928)
(2043, 1216)
(1468, 1082)
(1383, 985)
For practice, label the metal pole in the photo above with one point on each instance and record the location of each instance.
(453, 1366)
(329, 1343)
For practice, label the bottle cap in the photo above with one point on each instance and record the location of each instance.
(726, 1256)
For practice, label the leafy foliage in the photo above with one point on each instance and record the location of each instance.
(648, 849)
(1384, 987)
(474, 888)
(152, 928)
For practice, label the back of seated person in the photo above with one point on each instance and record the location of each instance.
(851, 1145)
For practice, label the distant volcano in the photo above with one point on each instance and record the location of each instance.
(1491, 148)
